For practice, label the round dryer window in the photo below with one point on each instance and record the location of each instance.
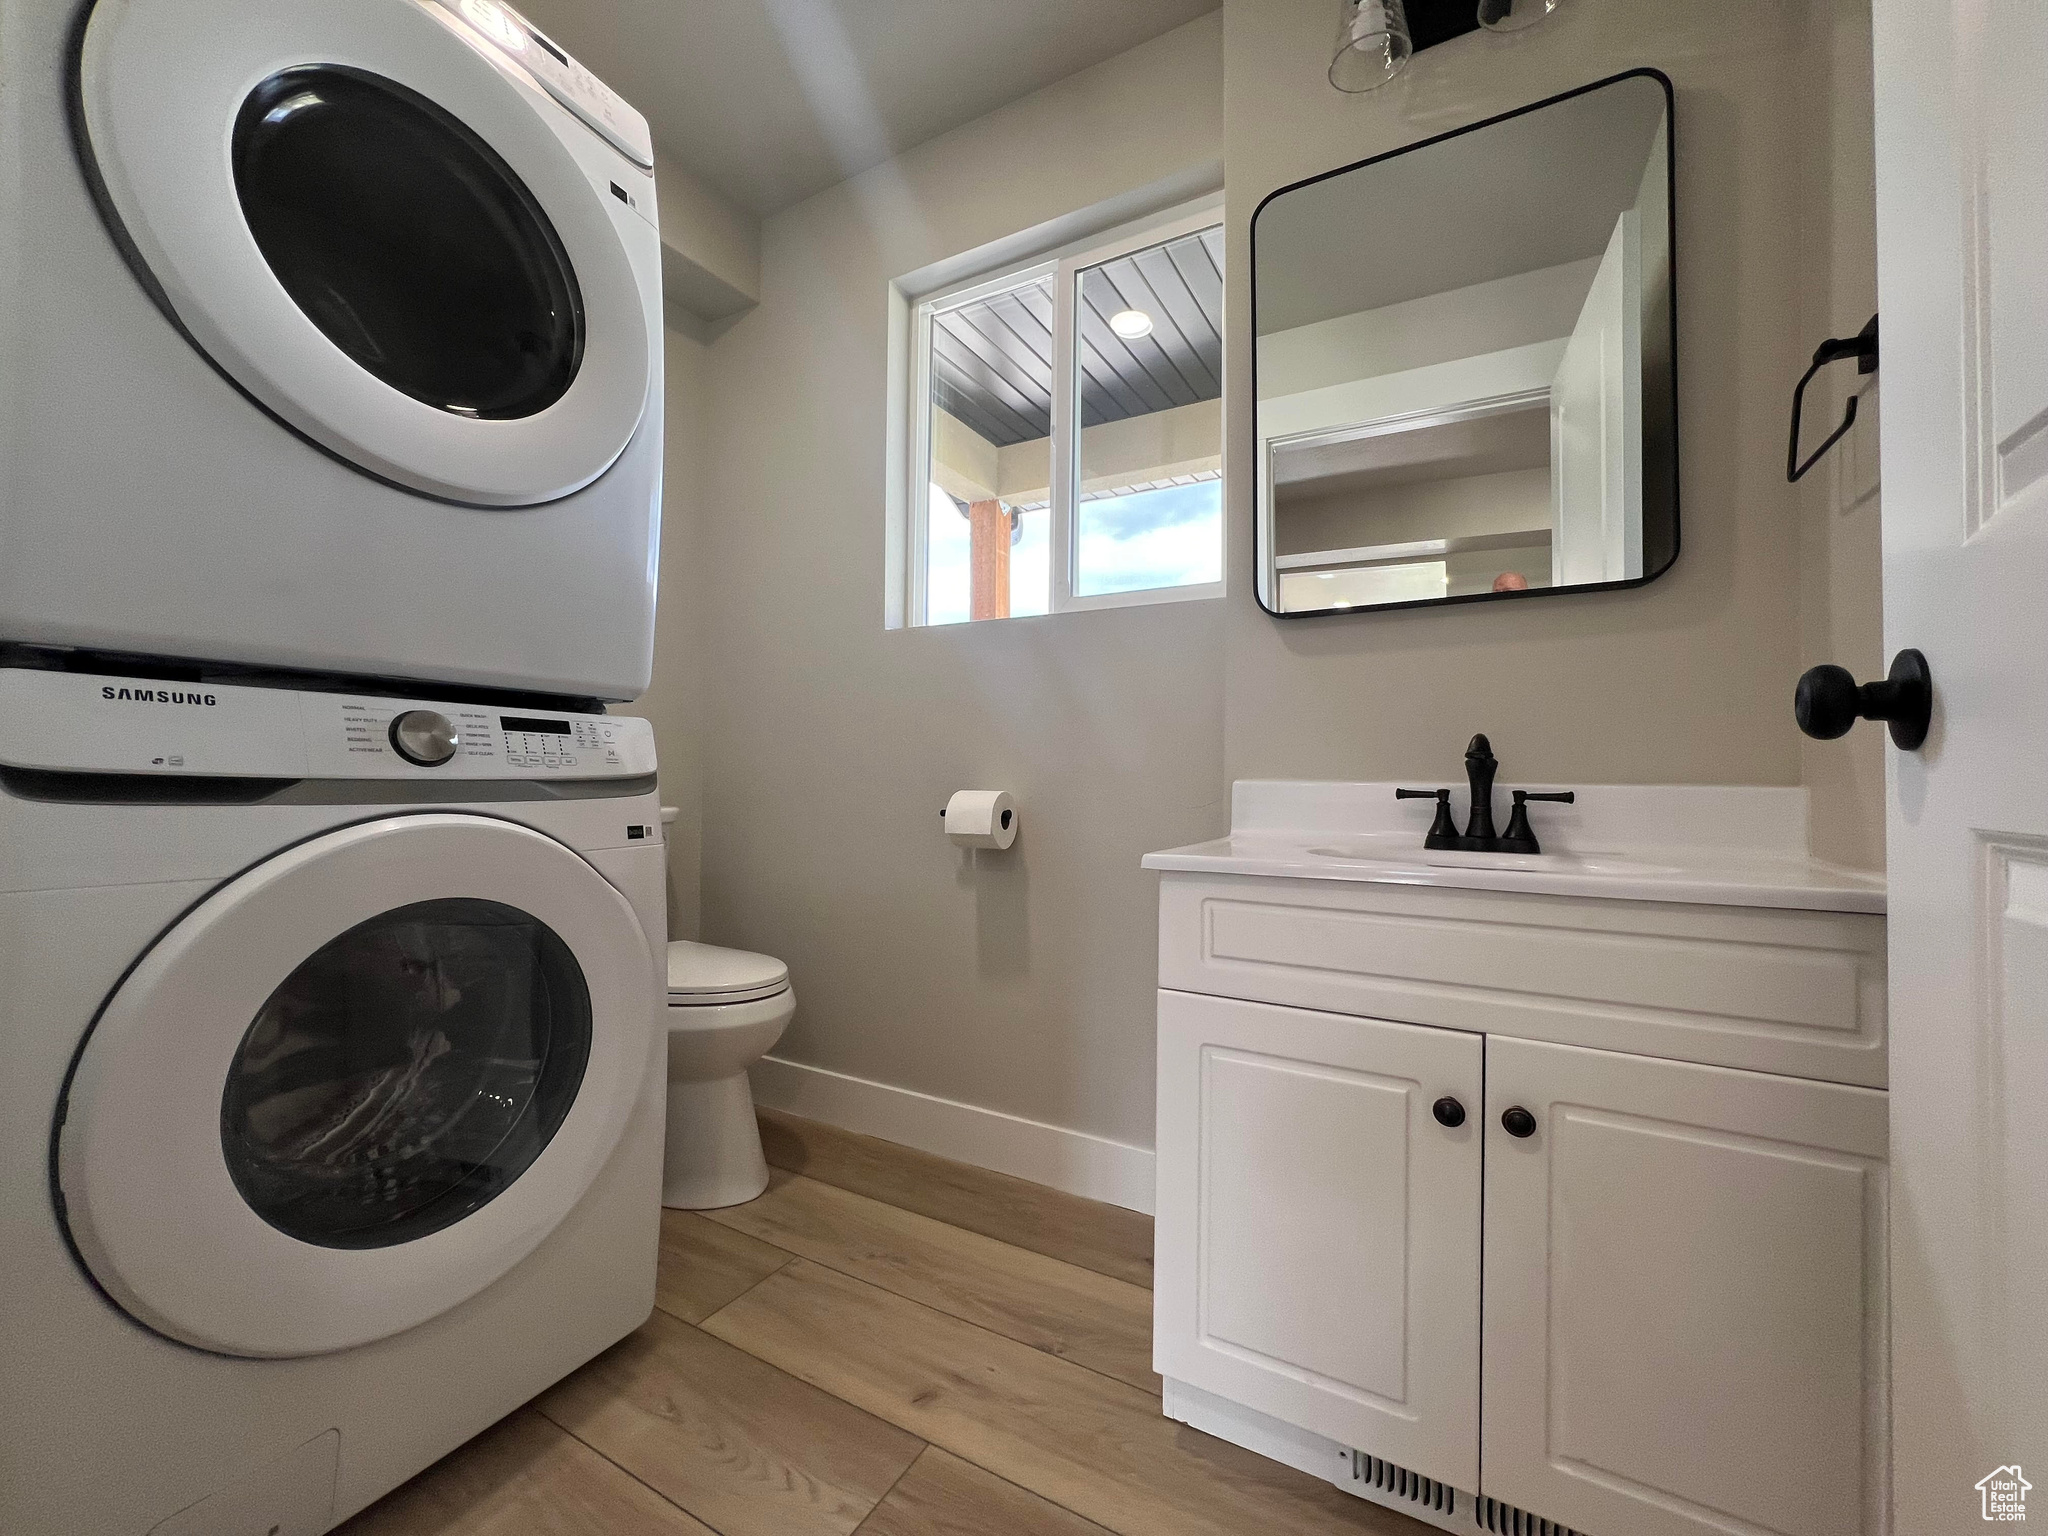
(355, 1085)
(409, 242)
(399, 255)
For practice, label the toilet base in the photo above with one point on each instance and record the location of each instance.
(714, 1154)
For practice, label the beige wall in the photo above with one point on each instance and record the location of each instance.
(1020, 982)
(1842, 574)
(710, 251)
(1688, 679)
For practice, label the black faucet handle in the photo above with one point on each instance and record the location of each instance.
(1520, 837)
(1443, 832)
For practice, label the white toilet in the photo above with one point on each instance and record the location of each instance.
(725, 1009)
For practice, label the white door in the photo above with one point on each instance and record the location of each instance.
(1318, 1226)
(1962, 207)
(1684, 1296)
(355, 1085)
(1596, 424)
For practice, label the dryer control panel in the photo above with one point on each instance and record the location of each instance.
(73, 722)
(600, 108)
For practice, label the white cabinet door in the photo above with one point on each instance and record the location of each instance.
(1685, 1278)
(1318, 1228)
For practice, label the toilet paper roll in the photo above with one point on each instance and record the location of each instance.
(981, 818)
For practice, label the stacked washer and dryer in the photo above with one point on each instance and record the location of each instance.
(331, 899)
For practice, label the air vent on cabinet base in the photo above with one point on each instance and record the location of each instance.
(1386, 1482)
(1427, 1500)
(1398, 1482)
(1492, 1516)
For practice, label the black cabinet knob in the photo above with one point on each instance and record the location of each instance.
(1829, 701)
(1449, 1112)
(1517, 1121)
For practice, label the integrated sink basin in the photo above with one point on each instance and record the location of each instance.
(1535, 863)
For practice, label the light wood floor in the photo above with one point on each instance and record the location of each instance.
(884, 1343)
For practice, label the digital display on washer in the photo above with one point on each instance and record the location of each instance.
(539, 727)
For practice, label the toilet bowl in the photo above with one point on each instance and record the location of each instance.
(726, 1007)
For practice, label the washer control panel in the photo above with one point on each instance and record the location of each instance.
(531, 742)
(80, 723)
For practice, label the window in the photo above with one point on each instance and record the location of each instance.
(1067, 431)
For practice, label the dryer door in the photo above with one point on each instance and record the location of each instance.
(355, 1085)
(366, 216)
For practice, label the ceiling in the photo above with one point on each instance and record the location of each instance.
(992, 359)
(1539, 190)
(770, 101)
(1489, 444)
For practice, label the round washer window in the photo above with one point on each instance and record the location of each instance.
(406, 1073)
(408, 241)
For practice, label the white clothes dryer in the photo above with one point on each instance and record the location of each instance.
(331, 341)
(331, 1128)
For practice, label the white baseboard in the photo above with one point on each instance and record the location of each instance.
(1074, 1161)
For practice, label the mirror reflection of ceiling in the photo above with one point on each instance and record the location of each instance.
(1345, 245)
(1482, 445)
(992, 360)
(770, 101)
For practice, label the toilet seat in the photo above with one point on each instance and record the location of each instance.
(705, 975)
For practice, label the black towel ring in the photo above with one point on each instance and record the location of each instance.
(1863, 347)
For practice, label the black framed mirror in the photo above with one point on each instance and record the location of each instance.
(1465, 363)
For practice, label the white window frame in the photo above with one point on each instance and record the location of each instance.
(1064, 266)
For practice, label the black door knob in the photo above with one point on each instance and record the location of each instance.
(1829, 701)
(1449, 1112)
(1518, 1122)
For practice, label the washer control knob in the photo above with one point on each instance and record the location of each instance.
(425, 737)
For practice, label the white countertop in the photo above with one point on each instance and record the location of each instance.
(1721, 846)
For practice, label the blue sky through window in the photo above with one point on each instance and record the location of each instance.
(1172, 537)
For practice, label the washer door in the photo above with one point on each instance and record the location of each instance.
(355, 1085)
(372, 229)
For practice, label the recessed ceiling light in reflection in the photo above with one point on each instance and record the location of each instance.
(1131, 324)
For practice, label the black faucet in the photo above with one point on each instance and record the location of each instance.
(1479, 835)
(1480, 767)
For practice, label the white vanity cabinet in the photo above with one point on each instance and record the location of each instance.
(1658, 1310)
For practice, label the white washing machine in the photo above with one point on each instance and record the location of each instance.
(330, 340)
(331, 1110)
